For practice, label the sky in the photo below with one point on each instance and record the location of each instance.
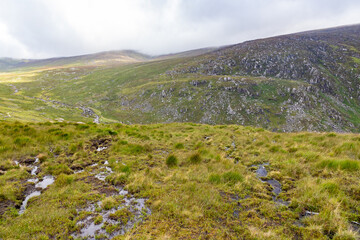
(53, 28)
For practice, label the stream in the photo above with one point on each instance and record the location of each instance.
(39, 185)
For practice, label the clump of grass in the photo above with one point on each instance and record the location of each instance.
(130, 149)
(179, 146)
(42, 157)
(111, 132)
(352, 149)
(331, 135)
(123, 215)
(6, 165)
(98, 220)
(292, 149)
(72, 148)
(109, 229)
(108, 203)
(22, 141)
(232, 177)
(215, 178)
(195, 158)
(274, 149)
(63, 180)
(118, 178)
(82, 126)
(171, 161)
(330, 187)
(335, 164)
(57, 169)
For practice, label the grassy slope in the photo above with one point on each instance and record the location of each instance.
(224, 86)
(218, 197)
(148, 92)
(145, 93)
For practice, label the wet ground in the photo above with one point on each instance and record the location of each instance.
(262, 174)
(106, 223)
(40, 185)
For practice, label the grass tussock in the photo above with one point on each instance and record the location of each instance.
(171, 161)
(340, 164)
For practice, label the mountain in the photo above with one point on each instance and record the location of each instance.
(306, 81)
(102, 58)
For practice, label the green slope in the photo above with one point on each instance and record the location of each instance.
(198, 181)
(305, 81)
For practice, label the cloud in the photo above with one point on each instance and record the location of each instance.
(43, 28)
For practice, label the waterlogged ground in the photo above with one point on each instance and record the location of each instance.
(176, 181)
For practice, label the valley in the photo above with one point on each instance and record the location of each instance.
(256, 140)
(300, 82)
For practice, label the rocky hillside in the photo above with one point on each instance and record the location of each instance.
(300, 82)
(328, 60)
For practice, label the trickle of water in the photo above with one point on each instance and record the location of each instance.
(91, 229)
(102, 175)
(123, 192)
(276, 185)
(24, 203)
(33, 180)
(33, 171)
(48, 180)
(99, 149)
(261, 171)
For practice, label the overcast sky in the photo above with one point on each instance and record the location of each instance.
(50, 28)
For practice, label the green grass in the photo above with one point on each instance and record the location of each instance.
(212, 189)
(146, 93)
(335, 164)
(171, 161)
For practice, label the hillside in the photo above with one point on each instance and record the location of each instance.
(176, 181)
(299, 82)
(257, 140)
(96, 59)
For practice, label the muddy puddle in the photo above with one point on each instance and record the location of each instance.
(262, 174)
(103, 222)
(39, 185)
